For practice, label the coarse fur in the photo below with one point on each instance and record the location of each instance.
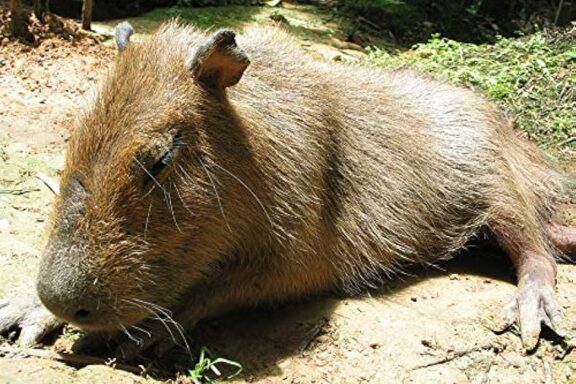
(304, 177)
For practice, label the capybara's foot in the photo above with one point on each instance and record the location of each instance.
(564, 238)
(27, 314)
(533, 304)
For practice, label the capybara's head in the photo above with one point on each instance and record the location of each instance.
(139, 220)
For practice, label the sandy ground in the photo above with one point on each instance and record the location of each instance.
(432, 327)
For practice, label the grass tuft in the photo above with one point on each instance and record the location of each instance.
(208, 365)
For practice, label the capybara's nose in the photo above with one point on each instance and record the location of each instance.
(69, 303)
(82, 316)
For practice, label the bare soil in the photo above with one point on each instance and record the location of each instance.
(431, 326)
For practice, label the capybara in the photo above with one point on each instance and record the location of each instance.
(215, 171)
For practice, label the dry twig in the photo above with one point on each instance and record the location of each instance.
(17, 191)
(491, 345)
(50, 182)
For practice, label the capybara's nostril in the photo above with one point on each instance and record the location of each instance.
(82, 315)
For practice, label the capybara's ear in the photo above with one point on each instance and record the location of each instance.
(219, 62)
(123, 32)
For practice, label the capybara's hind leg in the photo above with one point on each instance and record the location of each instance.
(534, 302)
(564, 238)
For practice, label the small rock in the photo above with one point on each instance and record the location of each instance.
(427, 343)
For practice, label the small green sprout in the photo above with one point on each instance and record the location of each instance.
(206, 363)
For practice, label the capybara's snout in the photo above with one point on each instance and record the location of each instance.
(77, 309)
(87, 294)
(67, 293)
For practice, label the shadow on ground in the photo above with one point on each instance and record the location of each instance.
(264, 339)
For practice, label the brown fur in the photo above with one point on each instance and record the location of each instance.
(304, 177)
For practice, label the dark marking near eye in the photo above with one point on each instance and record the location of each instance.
(165, 160)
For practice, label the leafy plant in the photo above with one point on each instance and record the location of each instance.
(531, 77)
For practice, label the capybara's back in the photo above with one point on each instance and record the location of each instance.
(368, 170)
(212, 173)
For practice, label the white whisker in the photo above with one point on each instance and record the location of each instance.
(182, 200)
(147, 220)
(134, 339)
(158, 310)
(141, 330)
(168, 199)
(150, 175)
(249, 190)
(216, 193)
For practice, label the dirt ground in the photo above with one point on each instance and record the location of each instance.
(431, 327)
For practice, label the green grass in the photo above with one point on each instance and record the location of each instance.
(234, 16)
(533, 78)
(304, 21)
(208, 365)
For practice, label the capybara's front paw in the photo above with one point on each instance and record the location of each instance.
(533, 304)
(28, 315)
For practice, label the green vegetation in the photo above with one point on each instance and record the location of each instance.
(234, 16)
(304, 21)
(206, 365)
(532, 77)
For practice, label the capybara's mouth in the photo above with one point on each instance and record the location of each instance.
(107, 322)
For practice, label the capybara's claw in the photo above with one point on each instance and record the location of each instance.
(27, 314)
(532, 305)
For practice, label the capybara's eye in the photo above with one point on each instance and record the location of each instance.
(165, 160)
